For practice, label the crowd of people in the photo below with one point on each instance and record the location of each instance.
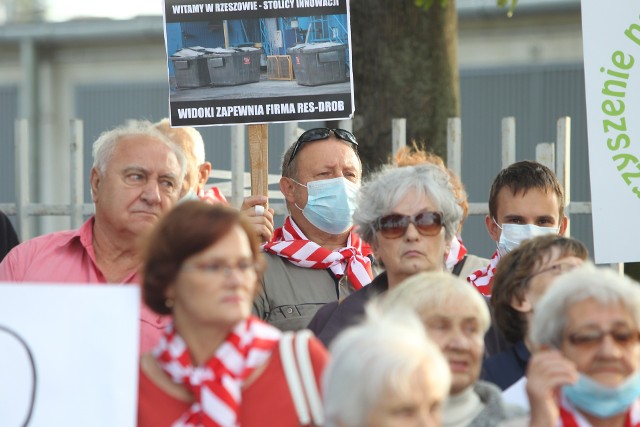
(364, 308)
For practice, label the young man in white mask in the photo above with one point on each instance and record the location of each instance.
(314, 258)
(526, 200)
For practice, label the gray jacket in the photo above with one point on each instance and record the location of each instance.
(495, 410)
(290, 296)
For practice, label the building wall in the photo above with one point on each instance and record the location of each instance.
(529, 66)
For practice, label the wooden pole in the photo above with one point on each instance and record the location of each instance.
(259, 159)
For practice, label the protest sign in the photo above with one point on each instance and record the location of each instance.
(69, 355)
(262, 61)
(611, 36)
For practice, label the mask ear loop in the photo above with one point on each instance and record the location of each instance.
(496, 223)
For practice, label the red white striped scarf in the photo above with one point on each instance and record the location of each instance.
(483, 278)
(289, 242)
(216, 385)
(570, 417)
(212, 196)
(456, 253)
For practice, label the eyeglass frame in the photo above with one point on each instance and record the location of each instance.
(222, 270)
(550, 268)
(598, 338)
(339, 134)
(412, 220)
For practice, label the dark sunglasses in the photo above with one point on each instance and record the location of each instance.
(395, 225)
(319, 134)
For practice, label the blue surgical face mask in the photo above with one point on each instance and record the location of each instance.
(514, 234)
(330, 204)
(600, 401)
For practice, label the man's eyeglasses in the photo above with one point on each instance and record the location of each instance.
(395, 225)
(554, 270)
(319, 134)
(594, 338)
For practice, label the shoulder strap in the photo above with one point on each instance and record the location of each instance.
(293, 379)
(304, 393)
(457, 269)
(308, 376)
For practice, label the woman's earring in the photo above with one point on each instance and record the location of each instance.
(168, 302)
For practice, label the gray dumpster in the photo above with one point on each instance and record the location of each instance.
(190, 67)
(319, 63)
(233, 66)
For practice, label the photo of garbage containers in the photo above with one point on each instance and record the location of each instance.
(190, 67)
(319, 63)
(202, 66)
(234, 66)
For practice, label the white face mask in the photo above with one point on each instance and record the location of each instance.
(190, 195)
(514, 234)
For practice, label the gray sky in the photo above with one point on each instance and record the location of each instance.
(61, 10)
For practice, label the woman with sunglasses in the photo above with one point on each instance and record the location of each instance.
(585, 369)
(216, 365)
(408, 215)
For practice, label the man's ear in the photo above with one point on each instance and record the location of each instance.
(287, 189)
(204, 170)
(563, 225)
(94, 181)
(492, 228)
(522, 305)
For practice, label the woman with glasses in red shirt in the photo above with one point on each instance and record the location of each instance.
(216, 365)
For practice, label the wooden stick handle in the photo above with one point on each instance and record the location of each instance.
(259, 159)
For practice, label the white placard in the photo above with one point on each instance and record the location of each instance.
(611, 32)
(81, 342)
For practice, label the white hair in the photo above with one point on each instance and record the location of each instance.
(106, 143)
(425, 291)
(585, 282)
(381, 355)
(386, 189)
(178, 134)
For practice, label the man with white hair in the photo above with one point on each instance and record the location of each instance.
(136, 176)
(197, 175)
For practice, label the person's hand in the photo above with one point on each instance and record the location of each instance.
(263, 223)
(548, 370)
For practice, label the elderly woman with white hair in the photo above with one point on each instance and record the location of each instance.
(409, 216)
(586, 368)
(456, 318)
(385, 372)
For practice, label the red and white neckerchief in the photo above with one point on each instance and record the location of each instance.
(456, 253)
(216, 385)
(289, 242)
(483, 278)
(570, 417)
(212, 196)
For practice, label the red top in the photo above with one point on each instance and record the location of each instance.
(266, 401)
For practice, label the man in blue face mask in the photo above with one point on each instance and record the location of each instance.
(315, 258)
(526, 200)
(585, 370)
